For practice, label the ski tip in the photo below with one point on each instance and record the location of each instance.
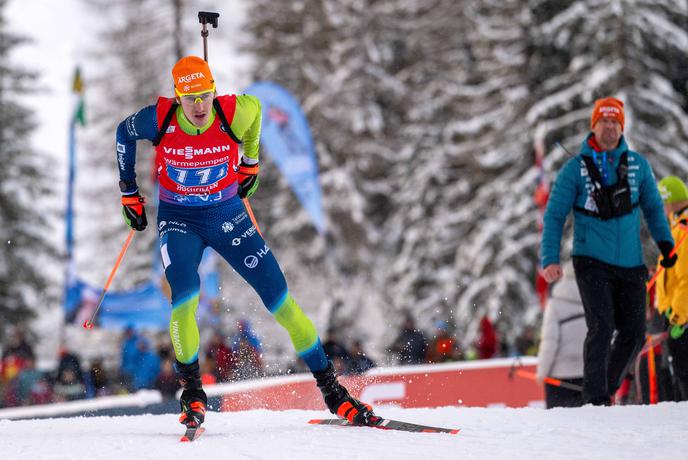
(315, 421)
(454, 431)
(184, 439)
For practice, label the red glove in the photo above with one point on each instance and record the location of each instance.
(134, 211)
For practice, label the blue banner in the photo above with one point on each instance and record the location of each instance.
(146, 306)
(287, 137)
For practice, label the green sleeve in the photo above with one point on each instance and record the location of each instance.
(246, 124)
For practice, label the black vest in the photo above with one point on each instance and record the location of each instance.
(612, 200)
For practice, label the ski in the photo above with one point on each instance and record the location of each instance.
(192, 434)
(387, 424)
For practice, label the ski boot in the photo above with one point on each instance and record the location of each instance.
(193, 401)
(339, 401)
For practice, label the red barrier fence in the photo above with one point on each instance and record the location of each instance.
(473, 383)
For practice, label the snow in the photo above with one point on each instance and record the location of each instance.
(642, 432)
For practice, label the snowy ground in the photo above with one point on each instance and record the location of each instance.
(629, 432)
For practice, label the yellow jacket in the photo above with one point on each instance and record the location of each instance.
(672, 284)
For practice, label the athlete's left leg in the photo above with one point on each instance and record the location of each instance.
(246, 251)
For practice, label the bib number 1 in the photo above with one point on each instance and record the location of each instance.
(197, 177)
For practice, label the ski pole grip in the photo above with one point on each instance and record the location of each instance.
(207, 17)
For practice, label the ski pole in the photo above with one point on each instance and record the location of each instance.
(549, 380)
(250, 214)
(88, 324)
(673, 251)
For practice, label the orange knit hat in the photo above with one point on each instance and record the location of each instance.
(608, 107)
(192, 75)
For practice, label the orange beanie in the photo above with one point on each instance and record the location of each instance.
(192, 75)
(608, 107)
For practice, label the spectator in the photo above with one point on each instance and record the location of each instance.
(67, 387)
(360, 362)
(70, 362)
(606, 185)
(672, 284)
(561, 343)
(98, 380)
(410, 346)
(166, 381)
(487, 342)
(221, 354)
(129, 357)
(147, 366)
(69, 382)
(31, 385)
(15, 355)
(526, 344)
(443, 347)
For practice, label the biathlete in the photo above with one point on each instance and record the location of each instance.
(202, 180)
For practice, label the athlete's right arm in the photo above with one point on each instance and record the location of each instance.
(141, 125)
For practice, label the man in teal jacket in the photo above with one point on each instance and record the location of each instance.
(606, 185)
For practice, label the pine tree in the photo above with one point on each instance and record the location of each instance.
(341, 60)
(465, 233)
(25, 252)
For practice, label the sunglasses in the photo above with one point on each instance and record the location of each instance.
(194, 98)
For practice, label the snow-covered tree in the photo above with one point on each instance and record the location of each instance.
(466, 233)
(25, 251)
(347, 63)
(425, 115)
